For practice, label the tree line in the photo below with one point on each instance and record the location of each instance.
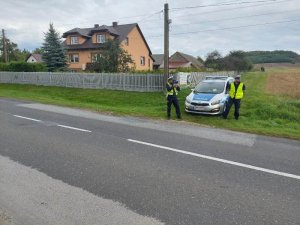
(258, 57)
(234, 61)
(243, 61)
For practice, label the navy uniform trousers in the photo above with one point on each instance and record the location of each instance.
(237, 105)
(172, 100)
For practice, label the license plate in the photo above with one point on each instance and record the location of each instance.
(199, 108)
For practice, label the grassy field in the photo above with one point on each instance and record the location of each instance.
(264, 110)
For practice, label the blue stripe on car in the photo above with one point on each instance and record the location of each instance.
(203, 97)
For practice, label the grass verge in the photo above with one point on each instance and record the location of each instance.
(261, 112)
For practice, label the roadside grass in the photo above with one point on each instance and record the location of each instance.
(262, 112)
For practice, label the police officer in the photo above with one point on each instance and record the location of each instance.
(172, 91)
(236, 93)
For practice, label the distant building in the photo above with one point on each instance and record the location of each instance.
(158, 60)
(34, 58)
(182, 60)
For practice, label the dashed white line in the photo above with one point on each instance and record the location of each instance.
(59, 125)
(218, 160)
(27, 118)
(74, 128)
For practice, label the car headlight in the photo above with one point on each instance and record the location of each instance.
(224, 100)
(187, 101)
(216, 102)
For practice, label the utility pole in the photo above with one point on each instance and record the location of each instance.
(166, 43)
(4, 47)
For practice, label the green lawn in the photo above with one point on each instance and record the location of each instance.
(261, 113)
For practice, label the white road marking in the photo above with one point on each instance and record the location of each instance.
(27, 118)
(59, 125)
(227, 136)
(218, 159)
(74, 128)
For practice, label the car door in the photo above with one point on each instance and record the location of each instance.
(227, 87)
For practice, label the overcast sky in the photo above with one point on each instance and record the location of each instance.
(195, 31)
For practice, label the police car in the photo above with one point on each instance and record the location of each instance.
(209, 96)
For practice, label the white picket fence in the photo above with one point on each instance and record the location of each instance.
(193, 78)
(114, 81)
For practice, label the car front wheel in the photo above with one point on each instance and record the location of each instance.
(225, 107)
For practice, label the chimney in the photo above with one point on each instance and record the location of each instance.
(96, 25)
(115, 24)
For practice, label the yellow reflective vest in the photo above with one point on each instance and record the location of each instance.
(239, 92)
(171, 92)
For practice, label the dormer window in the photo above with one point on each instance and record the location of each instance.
(74, 40)
(101, 38)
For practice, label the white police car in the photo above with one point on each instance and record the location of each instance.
(209, 96)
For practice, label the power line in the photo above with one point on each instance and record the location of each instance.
(150, 15)
(228, 28)
(239, 17)
(275, 1)
(222, 10)
(243, 26)
(145, 17)
(222, 4)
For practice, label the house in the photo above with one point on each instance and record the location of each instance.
(182, 60)
(84, 45)
(158, 60)
(34, 58)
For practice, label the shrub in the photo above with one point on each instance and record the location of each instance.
(23, 67)
(4, 67)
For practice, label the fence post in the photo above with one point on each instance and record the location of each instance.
(148, 82)
(124, 76)
(83, 81)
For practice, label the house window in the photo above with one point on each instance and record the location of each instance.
(143, 60)
(101, 38)
(74, 40)
(126, 41)
(74, 58)
(96, 57)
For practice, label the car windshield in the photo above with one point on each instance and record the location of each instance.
(210, 87)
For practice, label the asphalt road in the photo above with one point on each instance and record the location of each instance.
(66, 166)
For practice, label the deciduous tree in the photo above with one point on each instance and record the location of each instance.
(112, 59)
(237, 61)
(214, 60)
(14, 53)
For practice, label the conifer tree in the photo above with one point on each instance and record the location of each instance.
(53, 51)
